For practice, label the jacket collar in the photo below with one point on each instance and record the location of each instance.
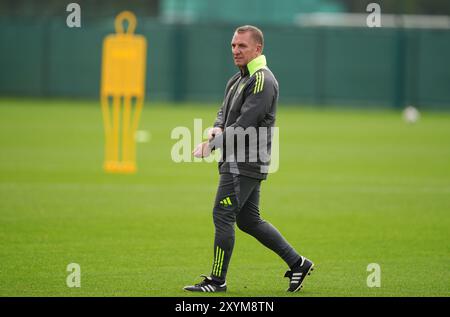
(254, 65)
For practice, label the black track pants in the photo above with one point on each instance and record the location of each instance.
(237, 201)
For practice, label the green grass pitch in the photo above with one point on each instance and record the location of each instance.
(354, 187)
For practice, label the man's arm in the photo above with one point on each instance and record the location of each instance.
(219, 123)
(259, 97)
(202, 149)
(220, 118)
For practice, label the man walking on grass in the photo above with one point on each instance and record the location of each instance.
(243, 132)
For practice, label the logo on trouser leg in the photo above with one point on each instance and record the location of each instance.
(226, 202)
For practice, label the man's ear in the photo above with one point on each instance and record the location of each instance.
(259, 48)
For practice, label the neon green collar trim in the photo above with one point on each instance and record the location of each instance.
(256, 64)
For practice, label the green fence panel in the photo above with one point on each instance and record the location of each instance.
(75, 55)
(208, 61)
(192, 62)
(293, 57)
(161, 66)
(434, 68)
(359, 66)
(22, 59)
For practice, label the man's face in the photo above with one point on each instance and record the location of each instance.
(244, 48)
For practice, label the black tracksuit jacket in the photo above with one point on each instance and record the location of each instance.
(250, 102)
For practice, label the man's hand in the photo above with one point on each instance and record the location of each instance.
(213, 132)
(202, 150)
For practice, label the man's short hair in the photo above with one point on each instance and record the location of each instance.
(257, 34)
